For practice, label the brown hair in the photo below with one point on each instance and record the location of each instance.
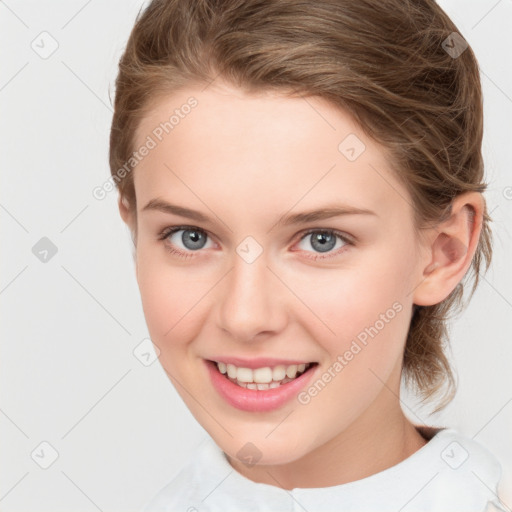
(385, 62)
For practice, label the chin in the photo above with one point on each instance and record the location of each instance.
(264, 452)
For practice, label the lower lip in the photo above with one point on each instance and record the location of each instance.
(256, 400)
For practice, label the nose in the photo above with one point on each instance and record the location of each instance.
(251, 301)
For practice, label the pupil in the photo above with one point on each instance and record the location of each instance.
(193, 241)
(325, 241)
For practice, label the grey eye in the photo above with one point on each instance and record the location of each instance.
(192, 239)
(321, 241)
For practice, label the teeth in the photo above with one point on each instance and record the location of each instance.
(291, 371)
(262, 375)
(262, 378)
(279, 372)
(231, 368)
(244, 375)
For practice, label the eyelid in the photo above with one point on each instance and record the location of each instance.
(164, 233)
(341, 234)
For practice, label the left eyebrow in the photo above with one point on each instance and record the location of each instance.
(322, 214)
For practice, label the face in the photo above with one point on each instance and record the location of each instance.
(246, 277)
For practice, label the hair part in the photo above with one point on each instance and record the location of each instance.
(381, 62)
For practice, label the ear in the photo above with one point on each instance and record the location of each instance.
(450, 249)
(127, 215)
(129, 219)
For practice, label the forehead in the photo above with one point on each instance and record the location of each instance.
(222, 141)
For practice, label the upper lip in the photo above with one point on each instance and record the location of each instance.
(257, 362)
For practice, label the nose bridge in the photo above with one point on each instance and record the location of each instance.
(248, 302)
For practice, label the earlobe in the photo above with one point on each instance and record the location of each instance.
(451, 251)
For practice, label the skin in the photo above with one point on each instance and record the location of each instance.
(245, 161)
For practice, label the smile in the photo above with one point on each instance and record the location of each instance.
(262, 378)
(259, 389)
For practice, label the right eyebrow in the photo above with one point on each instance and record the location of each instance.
(173, 209)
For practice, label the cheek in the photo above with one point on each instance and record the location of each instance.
(168, 297)
(352, 297)
(370, 325)
(359, 311)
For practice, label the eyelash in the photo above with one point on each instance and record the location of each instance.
(166, 232)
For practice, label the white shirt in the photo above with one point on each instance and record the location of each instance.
(451, 473)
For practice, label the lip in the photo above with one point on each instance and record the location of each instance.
(258, 362)
(255, 400)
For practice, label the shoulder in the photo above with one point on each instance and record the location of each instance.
(465, 475)
(195, 479)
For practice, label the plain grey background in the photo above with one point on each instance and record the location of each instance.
(73, 371)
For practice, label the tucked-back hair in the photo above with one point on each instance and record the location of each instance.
(386, 62)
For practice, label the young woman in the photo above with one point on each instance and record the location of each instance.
(303, 181)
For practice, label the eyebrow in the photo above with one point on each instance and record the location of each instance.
(286, 220)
